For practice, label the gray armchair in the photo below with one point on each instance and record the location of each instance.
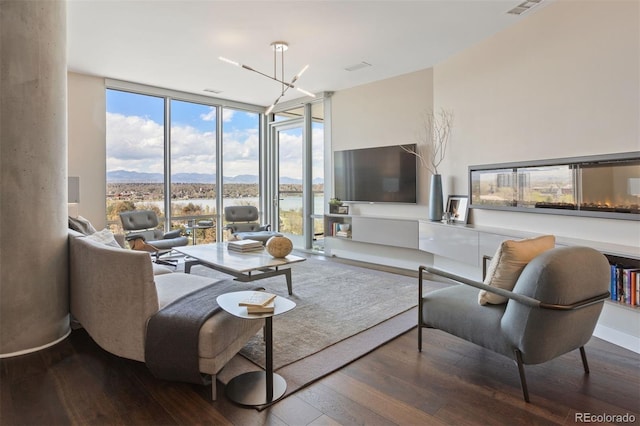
(553, 308)
(141, 232)
(243, 224)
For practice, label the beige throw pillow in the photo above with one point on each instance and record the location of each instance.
(509, 261)
(81, 225)
(104, 237)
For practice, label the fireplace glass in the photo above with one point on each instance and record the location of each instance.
(600, 186)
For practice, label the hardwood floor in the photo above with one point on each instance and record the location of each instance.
(450, 382)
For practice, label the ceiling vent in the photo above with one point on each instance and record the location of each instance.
(358, 66)
(523, 7)
(217, 92)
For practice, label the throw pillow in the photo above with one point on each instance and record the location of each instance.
(82, 225)
(104, 237)
(509, 261)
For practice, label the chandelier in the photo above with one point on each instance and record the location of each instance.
(278, 47)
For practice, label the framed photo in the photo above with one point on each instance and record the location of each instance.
(458, 208)
(343, 210)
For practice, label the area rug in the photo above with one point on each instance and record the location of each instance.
(342, 313)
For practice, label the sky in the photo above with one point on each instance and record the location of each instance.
(135, 135)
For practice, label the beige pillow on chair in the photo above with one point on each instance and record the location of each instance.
(509, 261)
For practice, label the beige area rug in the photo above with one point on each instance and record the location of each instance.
(342, 313)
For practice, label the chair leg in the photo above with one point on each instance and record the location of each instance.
(419, 326)
(419, 309)
(585, 364)
(523, 379)
(214, 391)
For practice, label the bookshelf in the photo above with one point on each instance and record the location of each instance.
(334, 225)
(618, 279)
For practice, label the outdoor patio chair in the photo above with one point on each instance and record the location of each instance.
(142, 233)
(243, 224)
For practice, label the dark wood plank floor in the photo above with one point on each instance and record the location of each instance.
(451, 382)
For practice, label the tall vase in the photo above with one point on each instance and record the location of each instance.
(435, 198)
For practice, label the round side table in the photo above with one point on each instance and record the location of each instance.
(256, 387)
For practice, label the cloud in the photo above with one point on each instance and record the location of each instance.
(227, 114)
(137, 144)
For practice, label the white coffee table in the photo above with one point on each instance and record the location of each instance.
(246, 267)
(256, 387)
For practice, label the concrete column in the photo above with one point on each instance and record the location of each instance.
(34, 290)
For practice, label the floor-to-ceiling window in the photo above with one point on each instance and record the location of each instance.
(165, 152)
(297, 138)
(193, 155)
(135, 153)
(317, 177)
(241, 158)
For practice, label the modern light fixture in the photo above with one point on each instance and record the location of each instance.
(279, 47)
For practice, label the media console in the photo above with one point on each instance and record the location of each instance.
(422, 241)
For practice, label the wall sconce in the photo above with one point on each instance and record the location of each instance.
(73, 197)
(74, 189)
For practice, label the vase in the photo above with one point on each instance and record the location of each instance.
(435, 198)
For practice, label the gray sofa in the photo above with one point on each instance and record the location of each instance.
(114, 291)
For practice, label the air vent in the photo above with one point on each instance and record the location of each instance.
(524, 6)
(213, 91)
(358, 66)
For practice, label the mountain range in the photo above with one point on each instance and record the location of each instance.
(127, 176)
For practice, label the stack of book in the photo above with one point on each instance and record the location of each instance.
(245, 245)
(625, 284)
(259, 302)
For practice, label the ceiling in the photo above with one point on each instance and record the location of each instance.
(176, 44)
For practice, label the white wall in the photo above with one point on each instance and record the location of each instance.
(387, 112)
(87, 150)
(564, 82)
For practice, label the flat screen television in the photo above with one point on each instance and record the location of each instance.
(384, 174)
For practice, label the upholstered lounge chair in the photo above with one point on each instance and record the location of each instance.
(553, 308)
(243, 224)
(141, 232)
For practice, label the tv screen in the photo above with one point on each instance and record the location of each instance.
(385, 174)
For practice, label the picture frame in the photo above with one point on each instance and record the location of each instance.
(458, 208)
(343, 210)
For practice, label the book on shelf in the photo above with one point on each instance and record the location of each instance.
(625, 284)
(257, 299)
(343, 234)
(244, 245)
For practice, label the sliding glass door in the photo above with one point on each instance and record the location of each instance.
(288, 139)
(297, 146)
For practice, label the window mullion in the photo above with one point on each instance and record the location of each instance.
(167, 164)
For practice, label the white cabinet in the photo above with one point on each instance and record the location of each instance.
(450, 241)
(389, 232)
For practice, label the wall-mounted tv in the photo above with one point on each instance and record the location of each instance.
(384, 174)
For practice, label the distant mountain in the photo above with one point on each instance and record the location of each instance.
(126, 176)
(193, 178)
(241, 179)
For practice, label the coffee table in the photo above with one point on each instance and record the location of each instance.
(256, 387)
(246, 267)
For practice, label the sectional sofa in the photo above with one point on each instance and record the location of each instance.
(114, 291)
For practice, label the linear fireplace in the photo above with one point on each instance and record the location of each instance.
(605, 186)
